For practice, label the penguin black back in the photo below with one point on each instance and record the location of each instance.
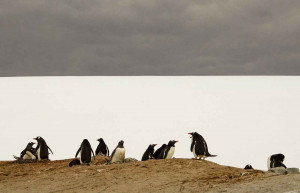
(149, 152)
(248, 167)
(74, 162)
(157, 152)
(199, 146)
(102, 148)
(41, 149)
(85, 151)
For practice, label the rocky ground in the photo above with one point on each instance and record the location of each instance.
(175, 175)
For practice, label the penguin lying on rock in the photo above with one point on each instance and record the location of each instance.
(248, 167)
(168, 151)
(74, 162)
(84, 152)
(149, 152)
(118, 155)
(276, 161)
(199, 146)
(41, 150)
(28, 153)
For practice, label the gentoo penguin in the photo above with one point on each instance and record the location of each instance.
(28, 152)
(168, 151)
(102, 148)
(41, 150)
(118, 155)
(149, 152)
(199, 146)
(157, 152)
(276, 161)
(248, 167)
(74, 162)
(84, 152)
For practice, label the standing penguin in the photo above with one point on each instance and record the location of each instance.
(168, 151)
(118, 155)
(199, 146)
(149, 152)
(157, 152)
(84, 152)
(102, 148)
(28, 152)
(41, 150)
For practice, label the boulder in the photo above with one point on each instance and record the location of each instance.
(292, 170)
(278, 170)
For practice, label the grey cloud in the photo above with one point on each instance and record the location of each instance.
(129, 37)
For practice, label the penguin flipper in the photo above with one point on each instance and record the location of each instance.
(192, 145)
(49, 149)
(78, 152)
(98, 149)
(113, 153)
(93, 153)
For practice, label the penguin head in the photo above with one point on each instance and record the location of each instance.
(31, 144)
(281, 157)
(38, 138)
(100, 140)
(194, 134)
(85, 141)
(121, 143)
(151, 146)
(172, 143)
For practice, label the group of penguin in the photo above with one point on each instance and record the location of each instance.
(166, 151)
(40, 152)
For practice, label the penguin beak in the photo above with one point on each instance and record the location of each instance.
(176, 141)
(154, 144)
(190, 133)
(34, 138)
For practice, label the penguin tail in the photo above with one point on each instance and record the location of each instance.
(212, 155)
(16, 157)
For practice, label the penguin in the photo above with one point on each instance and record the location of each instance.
(168, 151)
(199, 146)
(84, 152)
(157, 152)
(276, 161)
(28, 152)
(118, 155)
(41, 150)
(102, 148)
(74, 162)
(149, 152)
(248, 167)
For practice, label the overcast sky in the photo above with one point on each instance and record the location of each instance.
(130, 37)
(243, 119)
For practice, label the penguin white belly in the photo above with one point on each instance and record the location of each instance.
(119, 155)
(170, 153)
(38, 152)
(269, 162)
(194, 151)
(107, 154)
(28, 155)
(80, 156)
